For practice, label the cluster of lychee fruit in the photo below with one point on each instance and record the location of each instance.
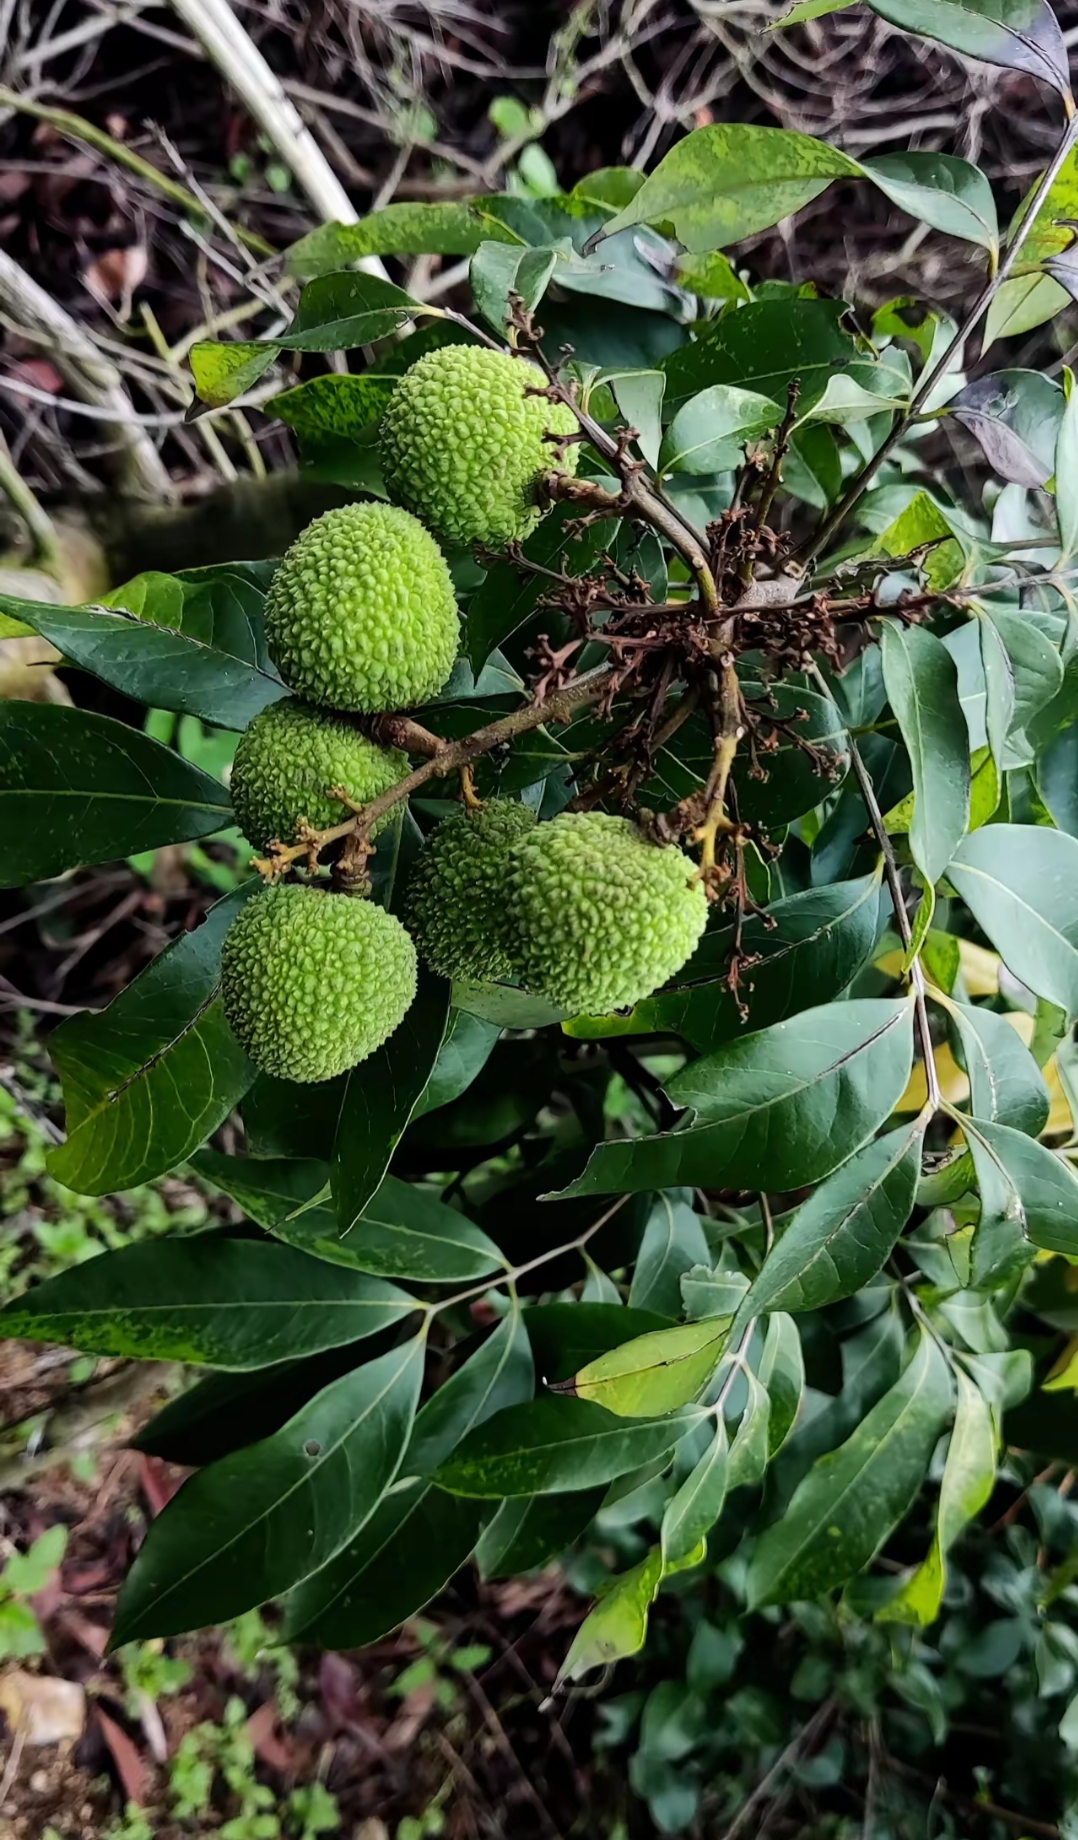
(361, 619)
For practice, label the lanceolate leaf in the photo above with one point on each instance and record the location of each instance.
(708, 434)
(762, 347)
(725, 182)
(652, 1374)
(1017, 34)
(565, 1336)
(552, 1445)
(782, 1371)
(406, 1232)
(266, 1188)
(215, 1302)
(808, 947)
(379, 1098)
(969, 1476)
(195, 646)
(691, 1513)
(408, 1551)
(618, 1625)
(1020, 882)
(949, 194)
(1006, 1085)
(674, 1241)
(255, 1524)
(453, 229)
(80, 788)
(845, 1233)
(529, 1530)
(751, 1447)
(419, 1536)
(922, 688)
(774, 1110)
(1034, 1190)
(147, 1079)
(851, 1499)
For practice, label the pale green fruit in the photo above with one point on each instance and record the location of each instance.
(455, 904)
(289, 757)
(462, 444)
(361, 613)
(313, 982)
(599, 916)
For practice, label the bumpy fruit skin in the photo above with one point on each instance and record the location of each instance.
(286, 760)
(312, 982)
(599, 916)
(361, 613)
(455, 905)
(462, 444)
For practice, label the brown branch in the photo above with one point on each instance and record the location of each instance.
(449, 758)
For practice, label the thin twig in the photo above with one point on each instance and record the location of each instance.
(854, 493)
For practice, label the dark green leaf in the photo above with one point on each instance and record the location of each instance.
(564, 1336)
(554, 1444)
(674, 1241)
(794, 779)
(147, 1079)
(500, 1373)
(1017, 34)
(78, 788)
(1020, 882)
(196, 647)
(419, 1536)
(406, 1554)
(341, 311)
(762, 347)
(498, 270)
(257, 1523)
(466, 1048)
(853, 1498)
(816, 943)
(266, 1188)
(1006, 1085)
(709, 432)
(774, 1110)
(379, 1098)
(529, 1530)
(845, 1232)
(405, 1232)
(215, 1302)
(504, 1005)
(725, 182)
(922, 688)
(508, 595)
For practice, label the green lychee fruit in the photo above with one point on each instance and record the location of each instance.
(455, 903)
(289, 757)
(312, 982)
(599, 917)
(462, 444)
(361, 613)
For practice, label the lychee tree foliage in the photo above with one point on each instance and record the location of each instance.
(737, 831)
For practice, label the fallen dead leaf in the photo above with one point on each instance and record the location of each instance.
(129, 1765)
(49, 1711)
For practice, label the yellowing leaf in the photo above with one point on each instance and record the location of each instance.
(1063, 1377)
(618, 1624)
(654, 1373)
